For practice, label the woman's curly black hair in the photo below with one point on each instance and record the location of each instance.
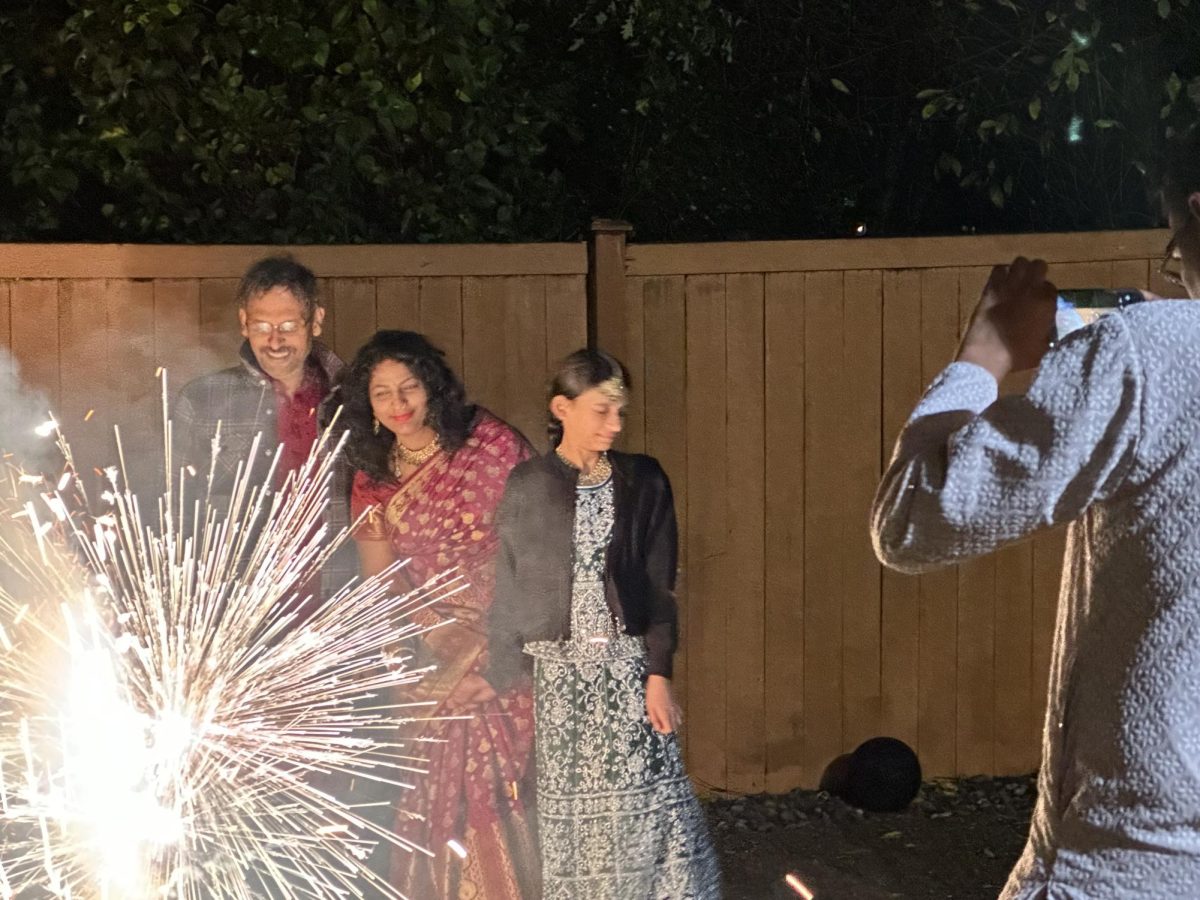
(448, 414)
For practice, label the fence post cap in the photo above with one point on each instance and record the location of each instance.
(611, 226)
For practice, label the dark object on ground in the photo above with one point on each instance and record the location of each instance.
(836, 776)
(956, 841)
(884, 775)
(881, 775)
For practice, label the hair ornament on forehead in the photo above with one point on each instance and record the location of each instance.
(614, 389)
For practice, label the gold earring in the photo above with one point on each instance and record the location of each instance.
(376, 428)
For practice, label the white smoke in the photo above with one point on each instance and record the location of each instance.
(24, 411)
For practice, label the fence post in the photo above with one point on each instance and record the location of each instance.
(606, 285)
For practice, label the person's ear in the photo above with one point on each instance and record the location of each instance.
(560, 406)
(318, 318)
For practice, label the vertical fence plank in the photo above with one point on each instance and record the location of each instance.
(329, 327)
(482, 346)
(35, 342)
(745, 726)
(824, 494)
(83, 345)
(87, 408)
(634, 438)
(666, 438)
(135, 390)
(862, 348)
(565, 332)
(220, 332)
(130, 344)
(398, 304)
(354, 302)
(524, 355)
(177, 346)
(606, 285)
(900, 601)
(708, 598)
(6, 359)
(784, 394)
(504, 340)
(442, 317)
(566, 317)
(939, 590)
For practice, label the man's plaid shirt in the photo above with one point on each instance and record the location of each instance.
(242, 400)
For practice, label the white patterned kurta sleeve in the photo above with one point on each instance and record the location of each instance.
(1108, 439)
(972, 473)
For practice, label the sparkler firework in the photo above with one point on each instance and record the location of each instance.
(174, 721)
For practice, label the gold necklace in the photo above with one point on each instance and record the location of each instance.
(402, 456)
(598, 474)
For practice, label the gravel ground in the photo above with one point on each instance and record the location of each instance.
(957, 841)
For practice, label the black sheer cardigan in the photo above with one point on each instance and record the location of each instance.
(535, 522)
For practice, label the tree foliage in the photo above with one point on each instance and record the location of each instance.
(274, 120)
(840, 116)
(470, 120)
(1062, 107)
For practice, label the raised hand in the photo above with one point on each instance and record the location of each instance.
(1011, 327)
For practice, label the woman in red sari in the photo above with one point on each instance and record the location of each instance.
(431, 469)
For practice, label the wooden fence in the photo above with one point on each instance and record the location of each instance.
(774, 378)
(770, 378)
(90, 325)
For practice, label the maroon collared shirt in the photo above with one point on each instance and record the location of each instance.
(296, 418)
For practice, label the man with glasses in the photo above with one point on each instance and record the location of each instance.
(1106, 441)
(283, 376)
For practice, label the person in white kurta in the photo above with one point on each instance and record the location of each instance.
(1107, 439)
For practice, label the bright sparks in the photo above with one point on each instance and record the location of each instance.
(179, 719)
(798, 886)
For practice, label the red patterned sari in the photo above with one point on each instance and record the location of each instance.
(443, 517)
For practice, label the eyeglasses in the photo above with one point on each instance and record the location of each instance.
(1171, 267)
(291, 326)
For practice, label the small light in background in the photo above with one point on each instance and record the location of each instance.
(1075, 130)
(459, 850)
(860, 229)
(794, 882)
